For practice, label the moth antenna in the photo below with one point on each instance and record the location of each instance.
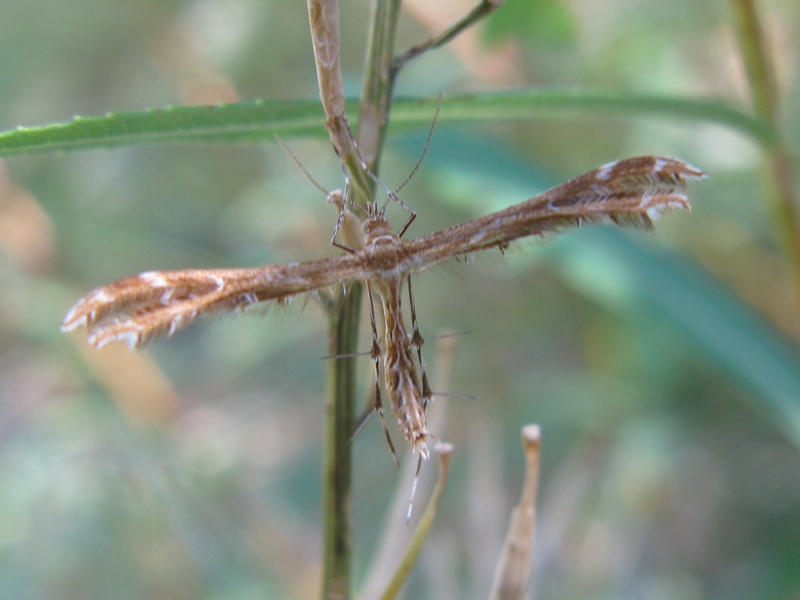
(427, 145)
(336, 197)
(390, 195)
(393, 195)
(300, 165)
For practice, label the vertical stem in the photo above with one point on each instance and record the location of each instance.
(513, 570)
(343, 328)
(344, 320)
(323, 16)
(376, 93)
(764, 90)
(343, 334)
(756, 62)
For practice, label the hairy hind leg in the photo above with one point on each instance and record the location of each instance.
(376, 354)
(417, 342)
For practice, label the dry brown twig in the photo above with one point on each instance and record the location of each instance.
(513, 569)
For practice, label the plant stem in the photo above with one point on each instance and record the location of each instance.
(343, 335)
(323, 18)
(513, 570)
(443, 452)
(376, 93)
(343, 328)
(756, 62)
(764, 90)
(380, 71)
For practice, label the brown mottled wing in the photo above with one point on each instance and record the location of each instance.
(628, 192)
(138, 308)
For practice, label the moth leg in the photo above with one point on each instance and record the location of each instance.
(375, 354)
(339, 200)
(417, 342)
(348, 227)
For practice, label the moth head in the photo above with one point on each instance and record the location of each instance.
(376, 226)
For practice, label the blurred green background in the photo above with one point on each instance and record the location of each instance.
(662, 368)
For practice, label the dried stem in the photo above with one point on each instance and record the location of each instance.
(513, 570)
(484, 9)
(444, 452)
(764, 89)
(323, 16)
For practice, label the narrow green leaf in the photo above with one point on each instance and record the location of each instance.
(252, 121)
(261, 120)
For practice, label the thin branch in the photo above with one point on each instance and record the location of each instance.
(485, 8)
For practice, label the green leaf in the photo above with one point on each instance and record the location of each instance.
(261, 120)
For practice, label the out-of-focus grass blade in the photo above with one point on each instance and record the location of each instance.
(261, 120)
(711, 317)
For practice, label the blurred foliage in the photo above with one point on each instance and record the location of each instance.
(662, 368)
(540, 22)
